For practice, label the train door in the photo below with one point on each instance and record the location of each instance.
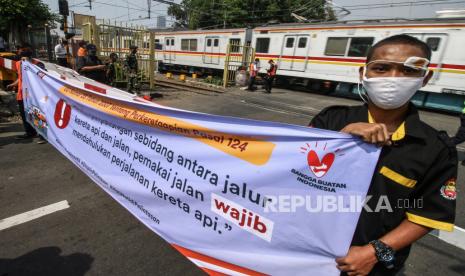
(212, 50)
(437, 42)
(294, 53)
(169, 54)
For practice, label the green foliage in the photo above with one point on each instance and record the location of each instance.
(242, 13)
(20, 13)
(214, 80)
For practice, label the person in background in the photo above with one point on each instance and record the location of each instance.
(254, 68)
(60, 53)
(270, 76)
(91, 66)
(131, 67)
(417, 162)
(82, 51)
(111, 69)
(25, 52)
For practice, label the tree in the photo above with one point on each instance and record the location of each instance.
(16, 15)
(242, 13)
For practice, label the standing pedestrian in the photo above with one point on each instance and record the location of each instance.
(254, 68)
(91, 66)
(25, 53)
(270, 76)
(131, 67)
(60, 53)
(111, 69)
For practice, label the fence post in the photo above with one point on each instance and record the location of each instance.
(226, 66)
(152, 60)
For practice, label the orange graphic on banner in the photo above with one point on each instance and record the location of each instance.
(249, 149)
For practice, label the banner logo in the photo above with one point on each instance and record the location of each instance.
(62, 114)
(319, 167)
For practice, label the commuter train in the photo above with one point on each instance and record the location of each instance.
(327, 54)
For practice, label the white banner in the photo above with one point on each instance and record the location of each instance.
(233, 195)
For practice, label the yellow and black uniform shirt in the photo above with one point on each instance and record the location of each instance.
(414, 178)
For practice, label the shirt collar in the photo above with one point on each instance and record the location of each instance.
(411, 126)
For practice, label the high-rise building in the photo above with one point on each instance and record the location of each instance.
(161, 22)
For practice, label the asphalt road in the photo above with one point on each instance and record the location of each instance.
(96, 236)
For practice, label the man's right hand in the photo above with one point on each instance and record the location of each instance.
(370, 133)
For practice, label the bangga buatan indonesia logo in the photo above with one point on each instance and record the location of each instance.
(319, 167)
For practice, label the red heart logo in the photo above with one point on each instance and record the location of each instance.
(320, 168)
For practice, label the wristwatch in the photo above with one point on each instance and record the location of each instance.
(384, 253)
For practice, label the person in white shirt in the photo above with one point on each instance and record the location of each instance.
(60, 53)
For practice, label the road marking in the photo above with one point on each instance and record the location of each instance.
(456, 238)
(33, 214)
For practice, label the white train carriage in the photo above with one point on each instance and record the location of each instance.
(329, 53)
(197, 50)
(335, 52)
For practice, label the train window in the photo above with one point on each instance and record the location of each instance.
(209, 42)
(185, 44)
(336, 46)
(262, 45)
(290, 42)
(172, 42)
(235, 43)
(193, 45)
(433, 43)
(216, 42)
(189, 44)
(158, 46)
(302, 42)
(359, 46)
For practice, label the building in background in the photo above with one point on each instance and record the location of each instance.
(161, 22)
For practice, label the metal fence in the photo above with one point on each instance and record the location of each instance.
(112, 38)
(238, 57)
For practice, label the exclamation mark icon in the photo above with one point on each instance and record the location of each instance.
(62, 114)
(60, 122)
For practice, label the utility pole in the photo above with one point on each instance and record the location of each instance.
(64, 11)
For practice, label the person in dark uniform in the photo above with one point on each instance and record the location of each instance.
(417, 168)
(131, 67)
(91, 66)
(111, 69)
(270, 75)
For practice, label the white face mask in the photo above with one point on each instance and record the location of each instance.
(392, 92)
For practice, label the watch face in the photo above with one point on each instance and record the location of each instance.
(387, 257)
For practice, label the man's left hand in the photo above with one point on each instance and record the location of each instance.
(360, 260)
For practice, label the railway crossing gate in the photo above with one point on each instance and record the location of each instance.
(238, 58)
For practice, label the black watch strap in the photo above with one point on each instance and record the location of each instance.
(384, 253)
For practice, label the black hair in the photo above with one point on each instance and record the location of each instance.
(401, 39)
(82, 43)
(114, 55)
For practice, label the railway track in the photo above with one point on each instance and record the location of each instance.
(189, 86)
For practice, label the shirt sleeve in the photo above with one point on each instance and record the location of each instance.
(321, 119)
(434, 199)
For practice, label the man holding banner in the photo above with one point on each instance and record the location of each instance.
(415, 176)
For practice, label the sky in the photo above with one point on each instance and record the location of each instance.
(135, 11)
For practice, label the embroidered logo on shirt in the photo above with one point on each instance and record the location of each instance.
(448, 190)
